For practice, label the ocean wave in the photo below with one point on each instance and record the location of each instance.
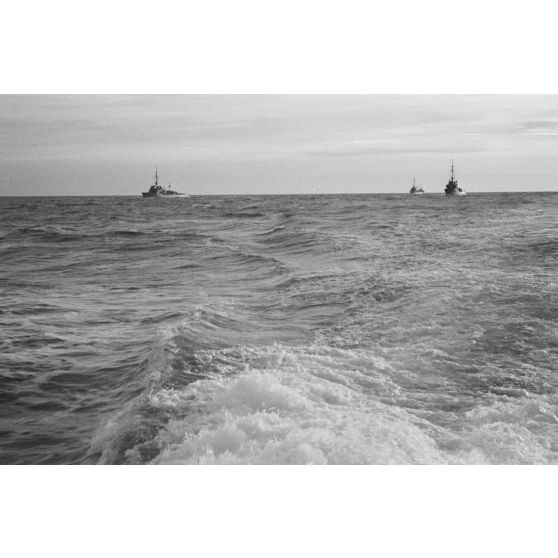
(317, 405)
(274, 230)
(243, 214)
(127, 232)
(48, 234)
(277, 405)
(248, 260)
(328, 329)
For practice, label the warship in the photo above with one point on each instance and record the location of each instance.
(158, 191)
(452, 189)
(414, 189)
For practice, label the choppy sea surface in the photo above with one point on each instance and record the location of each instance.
(279, 329)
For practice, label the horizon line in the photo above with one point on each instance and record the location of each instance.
(442, 193)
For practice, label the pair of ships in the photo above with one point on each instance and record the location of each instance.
(451, 189)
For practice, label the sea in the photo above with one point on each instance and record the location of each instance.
(326, 329)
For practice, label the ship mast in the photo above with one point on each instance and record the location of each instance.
(156, 177)
(452, 170)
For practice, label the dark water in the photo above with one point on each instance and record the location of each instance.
(318, 329)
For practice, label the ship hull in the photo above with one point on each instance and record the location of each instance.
(162, 196)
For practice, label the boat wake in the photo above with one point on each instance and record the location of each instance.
(311, 404)
(279, 329)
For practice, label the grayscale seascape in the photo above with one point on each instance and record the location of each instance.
(279, 329)
(304, 279)
(278, 279)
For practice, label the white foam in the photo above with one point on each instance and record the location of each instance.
(511, 431)
(292, 406)
(317, 404)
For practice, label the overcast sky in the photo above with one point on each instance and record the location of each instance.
(234, 144)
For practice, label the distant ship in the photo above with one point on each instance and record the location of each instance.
(452, 189)
(158, 191)
(414, 189)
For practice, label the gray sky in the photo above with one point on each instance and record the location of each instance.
(234, 144)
